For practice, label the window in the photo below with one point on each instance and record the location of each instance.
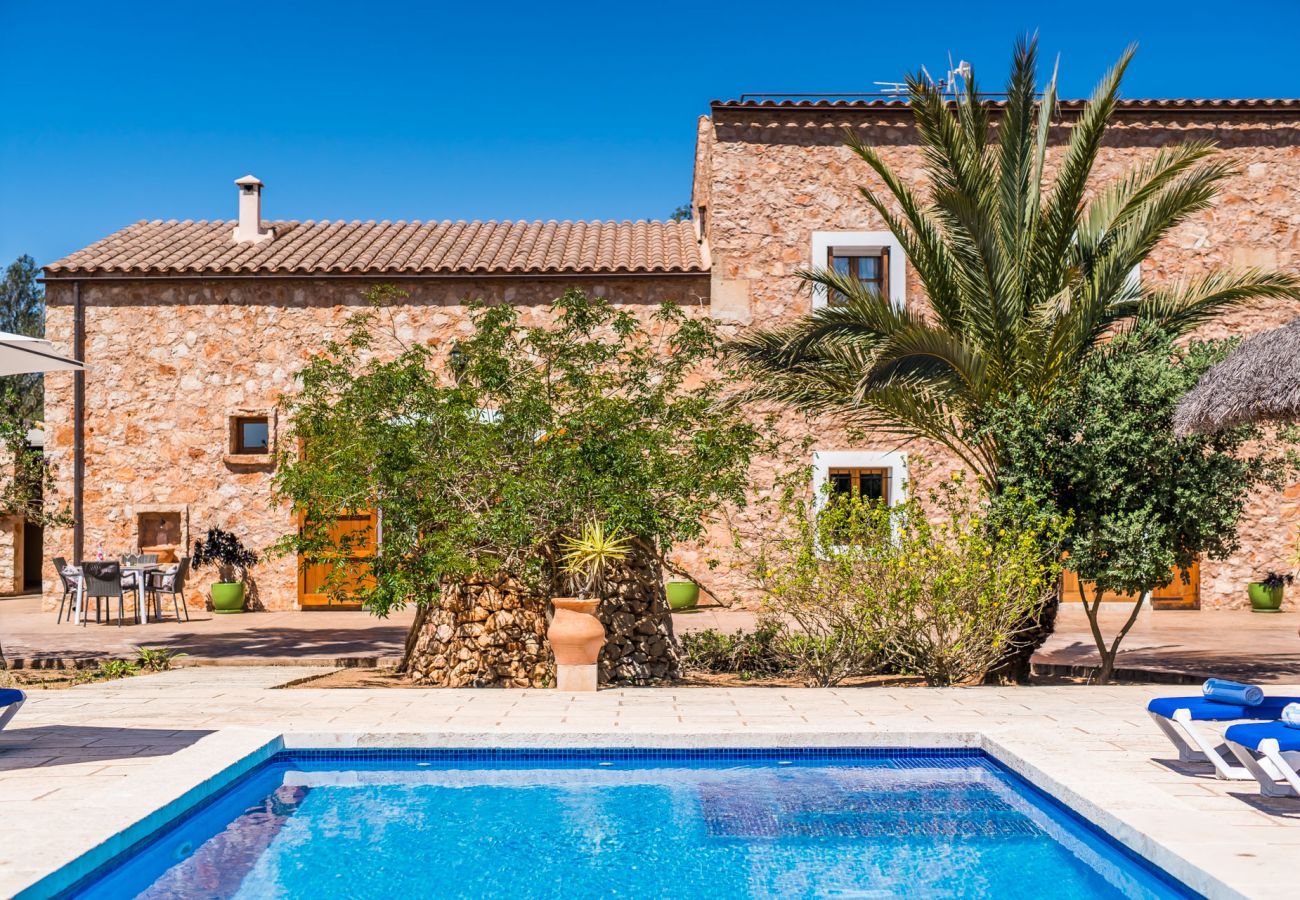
(869, 484)
(252, 434)
(872, 270)
(864, 473)
(873, 257)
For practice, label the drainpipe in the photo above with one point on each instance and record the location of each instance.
(78, 425)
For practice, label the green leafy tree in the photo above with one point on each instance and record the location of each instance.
(1025, 271)
(485, 457)
(1141, 501)
(22, 311)
(681, 213)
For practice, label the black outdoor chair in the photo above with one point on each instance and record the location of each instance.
(69, 587)
(104, 582)
(173, 583)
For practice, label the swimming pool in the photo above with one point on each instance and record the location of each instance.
(643, 823)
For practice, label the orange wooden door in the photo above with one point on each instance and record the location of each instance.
(1176, 595)
(357, 533)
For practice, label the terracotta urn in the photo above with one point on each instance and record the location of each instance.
(576, 637)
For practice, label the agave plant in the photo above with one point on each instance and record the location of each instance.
(1025, 274)
(588, 556)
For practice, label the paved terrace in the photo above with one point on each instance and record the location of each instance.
(79, 766)
(1235, 643)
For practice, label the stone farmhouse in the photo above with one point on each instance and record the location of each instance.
(191, 331)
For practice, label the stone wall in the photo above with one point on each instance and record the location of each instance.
(484, 634)
(639, 644)
(771, 177)
(169, 362)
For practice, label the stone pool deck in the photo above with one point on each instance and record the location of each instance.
(80, 766)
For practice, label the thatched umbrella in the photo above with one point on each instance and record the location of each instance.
(1259, 381)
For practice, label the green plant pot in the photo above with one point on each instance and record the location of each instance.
(1264, 599)
(228, 597)
(683, 595)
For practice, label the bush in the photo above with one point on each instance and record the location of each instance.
(860, 587)
(157, 659)
(110, 669)
(748, 654)
(227, 552)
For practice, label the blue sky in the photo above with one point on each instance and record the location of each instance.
(119, 111)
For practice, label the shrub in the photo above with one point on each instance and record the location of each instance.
(222, 549)
(157, 659)
(110, 669)
(747, 654)
(859, 587)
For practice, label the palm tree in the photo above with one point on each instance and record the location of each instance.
(1025, 274)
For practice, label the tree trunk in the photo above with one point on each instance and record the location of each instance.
(1107, 668)
(412, 636)
(1109, 654)
(1015, 667)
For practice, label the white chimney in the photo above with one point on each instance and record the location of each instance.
(249, 228)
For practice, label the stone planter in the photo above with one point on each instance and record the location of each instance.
(228, 597)
(576, 637)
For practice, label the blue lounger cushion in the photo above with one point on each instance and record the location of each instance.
(9, 696)
(1203, 710)
(1251, 735)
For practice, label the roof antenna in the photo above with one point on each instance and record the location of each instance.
(947, 85)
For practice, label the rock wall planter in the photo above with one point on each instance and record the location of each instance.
(576, 637)
(489, 633)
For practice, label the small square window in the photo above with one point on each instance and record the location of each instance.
(252, 434)
(869, 484)
(870, 270)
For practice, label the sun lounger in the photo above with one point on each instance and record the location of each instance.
(1177, 718)
(1270, 751)
(10, 700)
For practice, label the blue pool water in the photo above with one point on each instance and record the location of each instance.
(644, 824)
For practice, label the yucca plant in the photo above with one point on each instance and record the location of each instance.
(1025, 272)
(588, 556)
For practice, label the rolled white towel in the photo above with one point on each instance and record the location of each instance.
(1291, 715)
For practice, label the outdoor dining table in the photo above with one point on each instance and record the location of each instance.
(141, 570)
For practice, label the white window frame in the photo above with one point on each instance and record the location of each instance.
(861, 243)
(1133, 279)
(825, 460)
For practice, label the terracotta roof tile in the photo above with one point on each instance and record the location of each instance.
(877, 102)
(392, 248)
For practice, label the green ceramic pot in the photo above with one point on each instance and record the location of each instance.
(228, 597)
(1263, 598)
(683, 595)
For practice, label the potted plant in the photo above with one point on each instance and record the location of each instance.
(1266, 594)
(225, 551)
(682, 595)
(576, 635)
